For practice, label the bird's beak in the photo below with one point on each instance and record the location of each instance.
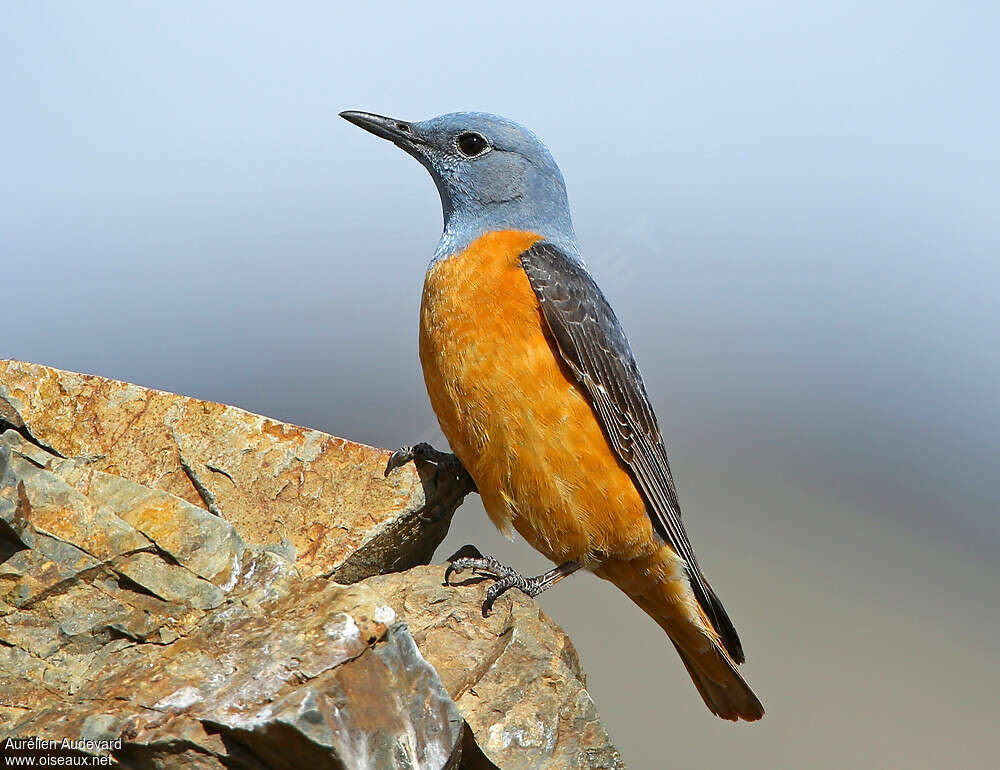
(399, 132)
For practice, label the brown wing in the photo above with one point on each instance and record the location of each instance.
(592, 343)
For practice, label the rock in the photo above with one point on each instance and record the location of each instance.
(270, 480)
(131, 612)
(515, 675)
(195, 666)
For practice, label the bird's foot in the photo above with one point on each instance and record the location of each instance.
(506, 577)
(427, 453)
(452, 481)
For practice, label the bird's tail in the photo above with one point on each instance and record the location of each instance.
(722, 687)
(666, 596)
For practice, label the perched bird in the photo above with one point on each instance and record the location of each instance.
(538, 393)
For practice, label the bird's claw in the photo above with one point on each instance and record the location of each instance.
(426, 453)
(398, 459)
(486, 566)
(481, 566)
(450, 488)
(502, 586)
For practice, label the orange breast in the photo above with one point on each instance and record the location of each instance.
(513, 414)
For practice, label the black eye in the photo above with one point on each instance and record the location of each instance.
(471, 144)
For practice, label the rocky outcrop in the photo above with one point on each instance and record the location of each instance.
(207, 588)
(515, 676)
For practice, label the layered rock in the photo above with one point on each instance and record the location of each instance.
(173, 574)
(272, 481)
(515, 675)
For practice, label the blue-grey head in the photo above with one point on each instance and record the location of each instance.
(492, 174)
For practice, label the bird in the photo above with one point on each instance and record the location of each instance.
(538, 393)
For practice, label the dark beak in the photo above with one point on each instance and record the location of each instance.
(399, 132)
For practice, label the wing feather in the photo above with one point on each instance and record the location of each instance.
(593, 345)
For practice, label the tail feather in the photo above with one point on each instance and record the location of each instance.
(670, 601)
(731, 698)
(724, 626)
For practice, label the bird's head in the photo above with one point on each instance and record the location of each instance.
(492, 174)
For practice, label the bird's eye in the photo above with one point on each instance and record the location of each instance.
(471, 144)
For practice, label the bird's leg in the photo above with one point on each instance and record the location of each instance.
(506, 577)
(452, 481)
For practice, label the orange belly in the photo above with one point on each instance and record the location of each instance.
(512, 413)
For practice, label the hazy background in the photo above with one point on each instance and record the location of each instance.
(792, 208)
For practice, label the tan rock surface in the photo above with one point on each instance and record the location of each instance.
(270, 480)
(250, 665)
(130, 610)
(515, 675)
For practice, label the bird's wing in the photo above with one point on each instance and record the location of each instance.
(592, 343)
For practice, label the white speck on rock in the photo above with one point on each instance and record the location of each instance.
(234, 575)
(250, 571)
(250, 721)
(342, 627)
(179, 699)
(312, 446)
(534, 735)
(497, 737)
(384, 615)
